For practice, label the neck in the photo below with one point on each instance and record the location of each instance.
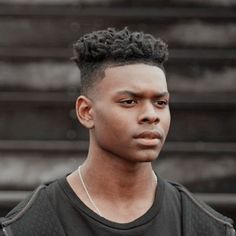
(121, 190)
(116, 178)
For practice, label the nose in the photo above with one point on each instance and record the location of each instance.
(149, 114)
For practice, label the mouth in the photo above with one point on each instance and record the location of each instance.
(149, 138)
(149, 135)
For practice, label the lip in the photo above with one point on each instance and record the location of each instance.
(149, 135)
(149, 138)
(148, 142)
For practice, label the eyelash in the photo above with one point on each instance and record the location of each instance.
(164, 102)
(129, 102)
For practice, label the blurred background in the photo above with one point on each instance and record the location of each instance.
(40, 137)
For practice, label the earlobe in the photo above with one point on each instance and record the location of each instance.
(84, 111)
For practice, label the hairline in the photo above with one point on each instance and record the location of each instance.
(99, 73)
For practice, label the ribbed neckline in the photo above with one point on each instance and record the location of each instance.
(148, 216)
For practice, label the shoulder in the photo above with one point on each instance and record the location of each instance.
(33, 215)
(22, 210)
(172, 196)
(200, 215)
(24, 205)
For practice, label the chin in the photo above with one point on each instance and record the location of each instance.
(147, 157)
(151, 154)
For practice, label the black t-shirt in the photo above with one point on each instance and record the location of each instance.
(162, 219)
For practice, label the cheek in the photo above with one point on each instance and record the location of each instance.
(111, 125)
(166, 119)
(168, 122)
(105, 121)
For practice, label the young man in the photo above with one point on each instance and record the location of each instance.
(124, 105)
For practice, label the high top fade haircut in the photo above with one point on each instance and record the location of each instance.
(96, 51)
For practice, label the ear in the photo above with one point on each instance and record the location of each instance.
(84, 111)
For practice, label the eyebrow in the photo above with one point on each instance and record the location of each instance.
(136, 94)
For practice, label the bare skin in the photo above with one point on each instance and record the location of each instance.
(128, 124)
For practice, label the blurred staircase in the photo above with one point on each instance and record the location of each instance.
(40, 138)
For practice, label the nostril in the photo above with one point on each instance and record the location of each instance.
(150, 120)
(145, 120)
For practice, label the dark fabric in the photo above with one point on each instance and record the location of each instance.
(200, 224)
(162, 219)
(36, 216)
(199, 219)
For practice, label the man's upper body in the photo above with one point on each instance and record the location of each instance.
(55, 210)
(124, 103)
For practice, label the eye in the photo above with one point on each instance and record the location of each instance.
(161, 103)
(128, 102)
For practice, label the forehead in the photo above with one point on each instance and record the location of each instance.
(138, 78)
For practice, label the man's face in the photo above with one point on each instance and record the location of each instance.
(130, 112)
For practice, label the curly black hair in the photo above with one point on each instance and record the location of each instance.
(97, 50)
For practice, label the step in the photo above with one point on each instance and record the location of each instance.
(205, 167)
(123, 3)
(75, 10)
(66, 147)
(51, 116)
(50, 30)
(45, 76)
